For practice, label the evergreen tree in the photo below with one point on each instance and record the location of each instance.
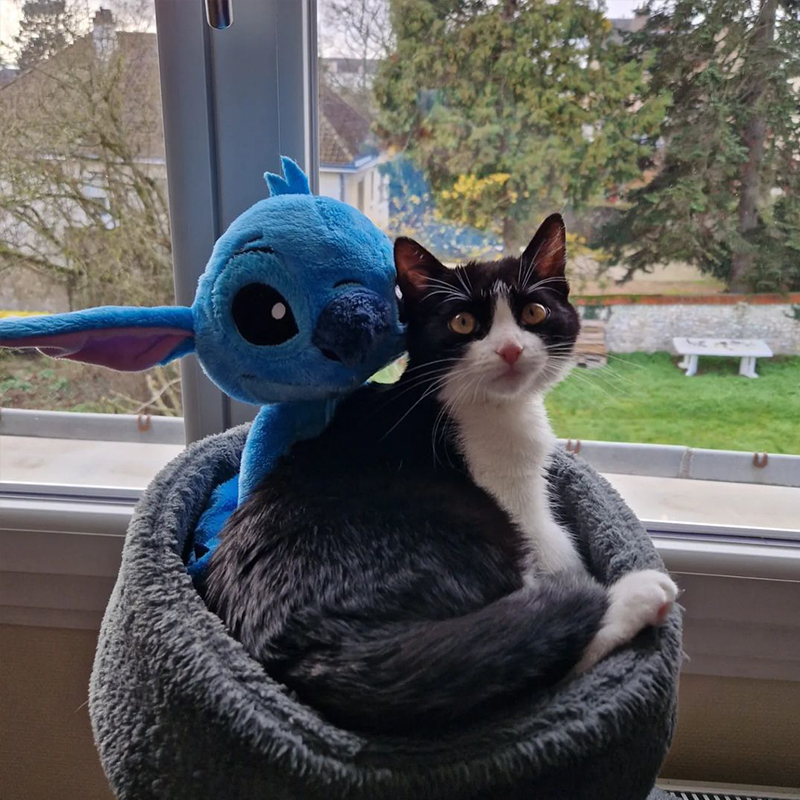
(514, 109)
(727, 195)
(45, 27)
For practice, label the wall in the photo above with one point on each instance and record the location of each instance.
(376, 191)
(729, 730)
(47, 749)
(330, 185)
(650, 323)
(734, 730)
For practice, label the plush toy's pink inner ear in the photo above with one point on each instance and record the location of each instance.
(124, 349)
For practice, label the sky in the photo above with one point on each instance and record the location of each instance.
(8, 18)
(142, 11)
(9, 12)
(616, 8)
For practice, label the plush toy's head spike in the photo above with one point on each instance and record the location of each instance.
(296, 181)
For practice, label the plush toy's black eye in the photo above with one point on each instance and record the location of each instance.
(262, 315)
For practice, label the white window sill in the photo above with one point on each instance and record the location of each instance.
(663, 503)
(82, 462)
(727, 544)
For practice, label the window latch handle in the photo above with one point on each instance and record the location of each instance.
(219, 14)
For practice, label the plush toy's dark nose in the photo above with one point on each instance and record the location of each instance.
(351, 326)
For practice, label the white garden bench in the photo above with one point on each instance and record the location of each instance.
(748, 350)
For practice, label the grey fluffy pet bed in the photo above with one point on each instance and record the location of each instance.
(179, 710)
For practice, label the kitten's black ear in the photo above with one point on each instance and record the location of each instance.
(415, 266)
(548, 253)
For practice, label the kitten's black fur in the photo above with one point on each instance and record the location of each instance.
(378, 581)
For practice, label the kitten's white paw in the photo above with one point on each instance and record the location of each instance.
(636, 601)
(639, 599)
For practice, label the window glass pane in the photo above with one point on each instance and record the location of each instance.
(83, 191)
(83, 222)
(667, 136)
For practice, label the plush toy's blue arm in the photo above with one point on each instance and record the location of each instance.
(274, 431)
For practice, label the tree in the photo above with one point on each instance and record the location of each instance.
(360, 28)
(81, 200)
(514, 109)
(413, 213)
(45, 28)
(727, 195)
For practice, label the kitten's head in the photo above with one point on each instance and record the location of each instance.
(495, 330)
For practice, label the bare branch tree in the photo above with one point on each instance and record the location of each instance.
(360, 30)
(82, 179)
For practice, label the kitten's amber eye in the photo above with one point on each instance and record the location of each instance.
(463, 323)
(533, 314)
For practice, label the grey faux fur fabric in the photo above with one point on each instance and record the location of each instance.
(179, 710)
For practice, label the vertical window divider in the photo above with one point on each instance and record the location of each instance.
(234, 101)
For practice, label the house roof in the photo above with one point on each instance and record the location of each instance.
(64, 86)
(344, 132)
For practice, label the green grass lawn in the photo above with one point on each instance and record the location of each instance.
(636, 398)
(646, 398)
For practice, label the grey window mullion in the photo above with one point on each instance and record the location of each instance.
(297, 84)
(189, 136)
(235, 100)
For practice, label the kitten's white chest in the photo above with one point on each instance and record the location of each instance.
(506, 447)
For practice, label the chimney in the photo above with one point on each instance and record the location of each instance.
(104, 34)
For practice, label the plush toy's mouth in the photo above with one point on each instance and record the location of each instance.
(330, 354)
(256, 387)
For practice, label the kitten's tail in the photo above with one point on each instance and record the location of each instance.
(440, 672)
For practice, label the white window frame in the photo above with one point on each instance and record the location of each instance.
(60, 545)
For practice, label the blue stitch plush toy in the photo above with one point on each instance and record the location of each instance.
(296, 307)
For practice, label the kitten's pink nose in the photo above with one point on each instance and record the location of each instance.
(509, 352)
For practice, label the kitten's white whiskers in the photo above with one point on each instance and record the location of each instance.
(546, 281)
(454, 290)
(417, 381)
(431, 363)
(464, 280)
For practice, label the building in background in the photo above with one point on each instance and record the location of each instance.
(621, 26)
(349, 159)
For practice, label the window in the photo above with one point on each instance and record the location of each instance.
(211, 149)
(83, 194)
(483, 118)
(220, 91)
(634, 416)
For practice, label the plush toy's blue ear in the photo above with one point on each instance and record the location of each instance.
(296, 181)
(125, 339)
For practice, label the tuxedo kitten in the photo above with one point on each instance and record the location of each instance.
(502, 333)
(511, 336)
(404, 570)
